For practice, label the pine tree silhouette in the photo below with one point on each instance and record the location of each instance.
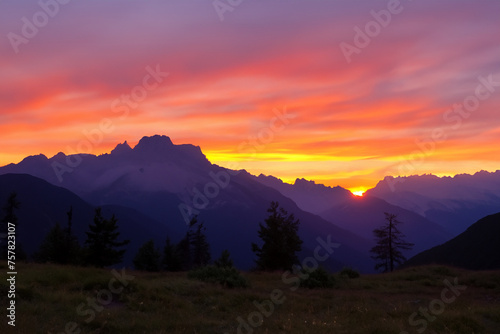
(225, 260)
(148, 257)
(10, 217)
(60, 245)
(171, 258)
(200, 246)
(390, 242)
(281, 241)
(102, 244)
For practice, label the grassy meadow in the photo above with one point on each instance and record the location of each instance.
(61, 299)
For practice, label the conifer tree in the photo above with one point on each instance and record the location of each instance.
(9, 209)
(53, 247)
(10, 217)
(224, 261)
(184, 252)
(60, 245)
(200, 247)
(171, 259)
(281, 240)
(102, 244)
(192, 251)
(148, 257)
(72, 247)
(390, 243)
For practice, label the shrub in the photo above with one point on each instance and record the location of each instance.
(224, 260)
(349, 273)
(226, 276)
(318, 278)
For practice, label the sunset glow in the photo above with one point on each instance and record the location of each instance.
(359, 192)
(267, 89)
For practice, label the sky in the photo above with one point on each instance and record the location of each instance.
(340, 92)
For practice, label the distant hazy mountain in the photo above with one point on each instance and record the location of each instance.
(157, 178)
(42, 205)
(360, 215)
(308, 195)
(476, 248)
(453, 202)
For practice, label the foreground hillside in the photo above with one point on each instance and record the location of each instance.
(55, 299)
(477, 248)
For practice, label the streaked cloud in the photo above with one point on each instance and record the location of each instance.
(353, 122)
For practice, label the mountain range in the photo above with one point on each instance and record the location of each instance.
(157, 186)
(453, 202)
(160, 179)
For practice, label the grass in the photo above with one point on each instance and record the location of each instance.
(48, 297)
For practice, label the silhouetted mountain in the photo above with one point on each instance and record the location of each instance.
(308, 195)
(477, 248)
(121, 149)
(453, 202)
(157, 178)
(151, 158)
(42, 205)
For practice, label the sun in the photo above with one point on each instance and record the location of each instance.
(358, 191)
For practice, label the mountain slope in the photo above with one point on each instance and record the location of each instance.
(42, 205)
(477, 248)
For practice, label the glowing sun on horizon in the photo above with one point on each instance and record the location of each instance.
(358, 192)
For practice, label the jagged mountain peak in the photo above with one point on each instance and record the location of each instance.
(160, 148)
(34, 158)
(269, 179)
(302, 181)
(59, 156)
(156, 143)
(312, 185)
(121, 148)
